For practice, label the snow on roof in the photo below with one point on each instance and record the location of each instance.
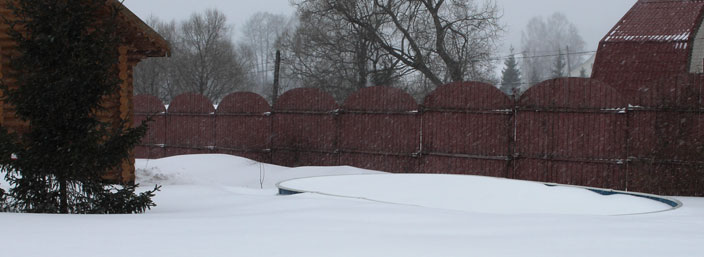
(653, 40)
(658, 20)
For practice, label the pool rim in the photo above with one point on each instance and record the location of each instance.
(667, 200)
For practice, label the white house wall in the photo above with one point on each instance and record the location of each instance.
(696, 64)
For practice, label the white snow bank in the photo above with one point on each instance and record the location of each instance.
(211, 206)
(476, 194)
(227, 170)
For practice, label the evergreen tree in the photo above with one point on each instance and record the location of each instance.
(511, 75)
(6, 151)
(66, 67)
(558, 70)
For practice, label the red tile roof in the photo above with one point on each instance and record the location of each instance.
(663, 21)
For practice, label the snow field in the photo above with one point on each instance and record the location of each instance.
(212, 205)
(476, 194)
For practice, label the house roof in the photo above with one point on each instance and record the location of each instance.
(658, 20)
(653, 40)
(146, 41)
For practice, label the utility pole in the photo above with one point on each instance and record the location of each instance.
(277, 68)
(569, 67)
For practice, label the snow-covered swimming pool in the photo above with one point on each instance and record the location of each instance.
(477, 194)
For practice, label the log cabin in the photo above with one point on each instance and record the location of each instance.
(139, 41)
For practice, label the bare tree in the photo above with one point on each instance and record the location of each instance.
(543, 41)
(154, 76)
(203, 60)
(443, 40)
(327, 52)
(207, 60)
(261, 34)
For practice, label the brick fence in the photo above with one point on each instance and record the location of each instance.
(570, 131)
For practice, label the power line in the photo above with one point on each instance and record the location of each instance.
(254, 69)
(543, 56)
(500, 58)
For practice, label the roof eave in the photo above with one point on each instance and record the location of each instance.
(147, 41)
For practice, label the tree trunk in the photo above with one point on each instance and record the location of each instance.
(63, 195)
(277, 69)
(453, 66)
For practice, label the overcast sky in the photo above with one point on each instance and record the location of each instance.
(594, 18)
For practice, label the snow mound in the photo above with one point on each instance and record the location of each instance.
(475, 194)
(227, 170)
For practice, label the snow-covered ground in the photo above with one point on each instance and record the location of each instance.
(475, 194)
(214, 205)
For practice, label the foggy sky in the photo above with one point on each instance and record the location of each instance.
(594, 18)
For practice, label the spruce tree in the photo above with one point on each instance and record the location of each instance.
(65, 68)
(511, 75)
(558, 70)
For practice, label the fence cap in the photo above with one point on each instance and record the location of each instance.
(148, 104)
(576, 93)
(381, 98)
(243, 102)
(468, 96)
(191, 103)
(306, 99)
